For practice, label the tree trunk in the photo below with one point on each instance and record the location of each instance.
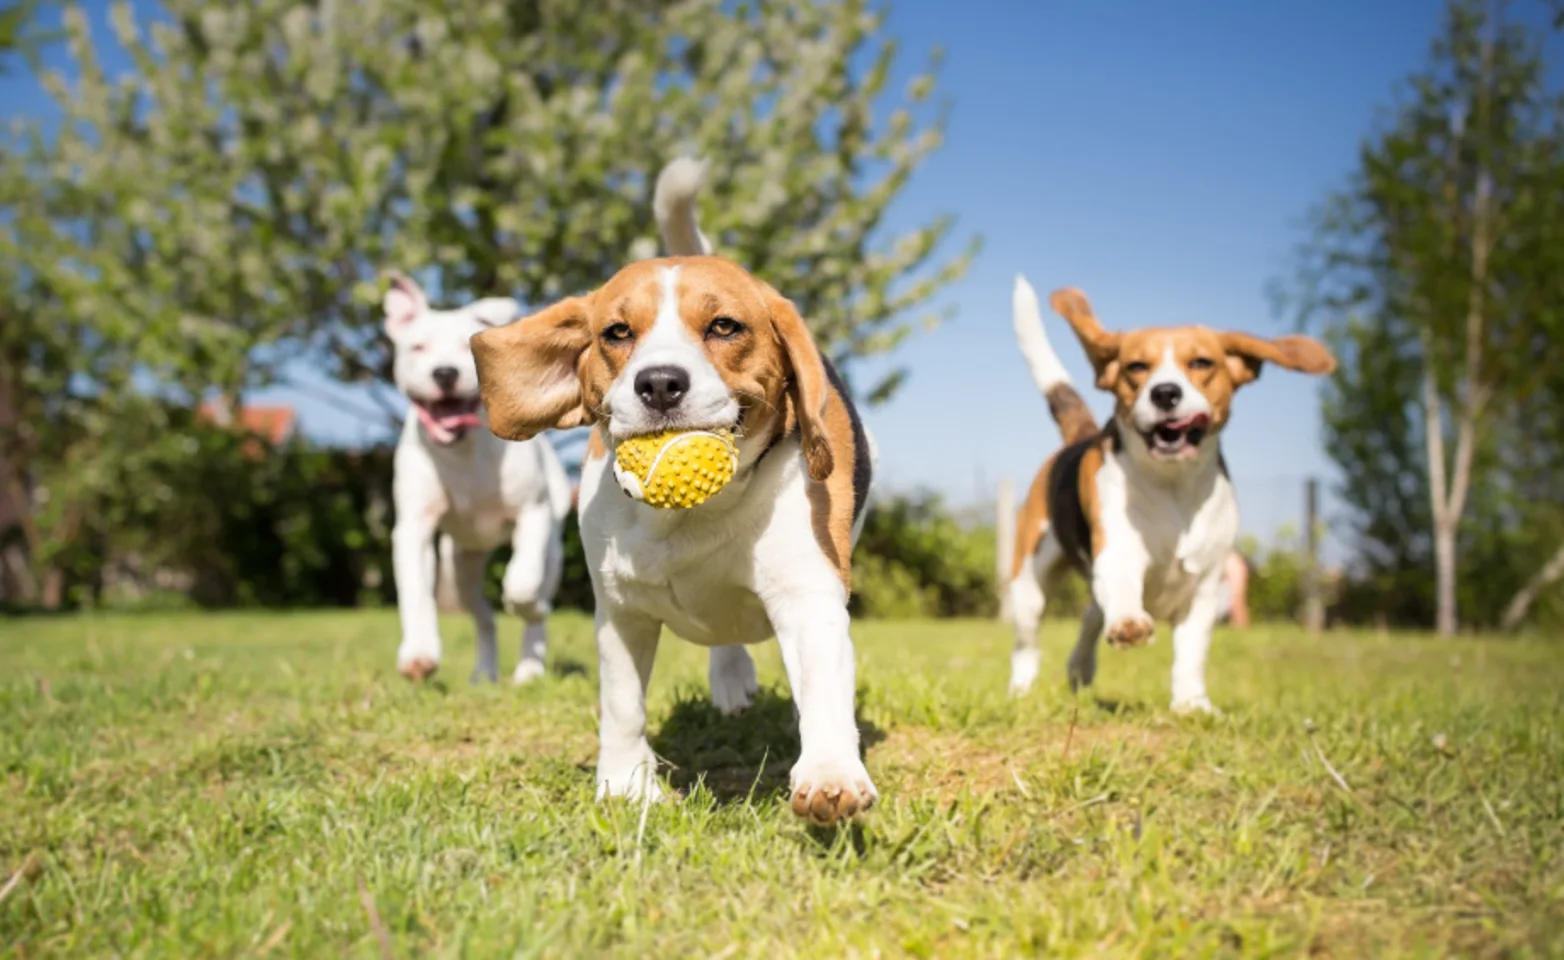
(1444, 523)
(1521, 603)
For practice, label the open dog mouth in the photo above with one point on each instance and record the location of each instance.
(1177, 439)
(447, 419)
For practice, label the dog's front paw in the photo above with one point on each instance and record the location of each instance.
(831, 792)
(633, 776)
(528, 671)
(417, 668)
(1133, 630)
(733, 683)
(1199, 704)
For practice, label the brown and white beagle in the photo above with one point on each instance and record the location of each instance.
(1141, 506)
(696, 342)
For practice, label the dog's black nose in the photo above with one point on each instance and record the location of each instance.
(445, 377)
(662, 387)
(1165, 396)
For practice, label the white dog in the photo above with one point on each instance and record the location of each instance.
(1142, 507)
(696, 342)
(456, 477)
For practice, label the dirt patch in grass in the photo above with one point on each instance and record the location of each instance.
(948, 764)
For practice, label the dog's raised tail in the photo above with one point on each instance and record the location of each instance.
(673, 202)
(1069, 410)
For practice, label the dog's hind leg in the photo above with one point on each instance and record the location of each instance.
(1083, 659)
(733, 683)
(467, 567)
(1027, 602)
(531, 580)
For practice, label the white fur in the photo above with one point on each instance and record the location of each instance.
(736, 570)
(1167, 528)
(673, 201)
(476, 491)
(1027, 320)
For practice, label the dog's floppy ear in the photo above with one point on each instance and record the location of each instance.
(1246, 354)
(403, 302)
(808, 387)
(1102, 347)
(529, 371)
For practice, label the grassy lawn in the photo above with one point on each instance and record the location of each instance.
(266, 785)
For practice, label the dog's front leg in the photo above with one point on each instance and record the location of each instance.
(413, 564)
(626, 649)
(829, 782)
(1119, 587)
(1191, 640)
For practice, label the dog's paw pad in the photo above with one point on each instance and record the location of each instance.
(418, 669)
(1135, 630)
(827, 800)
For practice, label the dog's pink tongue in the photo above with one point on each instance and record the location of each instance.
(437, 431)
(1190, 422)
(459, 420)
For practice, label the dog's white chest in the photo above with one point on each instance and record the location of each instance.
(695, 571)
(1185, 531)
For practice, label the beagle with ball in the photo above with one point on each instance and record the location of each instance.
(696, 343)
(1142, 506)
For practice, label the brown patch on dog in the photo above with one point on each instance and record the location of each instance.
(1070, 413)
(1091, 500)
(1032, 521)
(597, 447)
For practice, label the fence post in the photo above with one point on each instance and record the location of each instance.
(1313, 606)
(1004, 541)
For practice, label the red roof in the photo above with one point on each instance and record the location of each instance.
(274, 424)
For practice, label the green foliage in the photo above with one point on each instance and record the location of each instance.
(233, 785)
(210, 512)
(224, 211)
(917, 558)
(247, 183)
(1438, 275)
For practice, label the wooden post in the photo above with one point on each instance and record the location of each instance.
(1004, 541)
(1313, 606)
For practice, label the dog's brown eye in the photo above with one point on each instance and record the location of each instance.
(618, 333)
(723, 328)
(1200, 363)
(1137, 367)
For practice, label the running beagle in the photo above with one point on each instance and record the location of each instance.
(696, 342)
(1142, 506)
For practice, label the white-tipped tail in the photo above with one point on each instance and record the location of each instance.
(673, 202)
(1027, 317)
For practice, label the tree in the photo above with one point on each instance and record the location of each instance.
(246, 185)
(224, 213)
(1438, 268)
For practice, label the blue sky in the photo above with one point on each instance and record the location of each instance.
(1161, 156)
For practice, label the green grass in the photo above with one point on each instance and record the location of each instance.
(254, 784)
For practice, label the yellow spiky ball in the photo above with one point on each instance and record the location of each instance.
(677, 469)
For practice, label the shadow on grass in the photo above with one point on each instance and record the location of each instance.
(566, 667)
(739, 758)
